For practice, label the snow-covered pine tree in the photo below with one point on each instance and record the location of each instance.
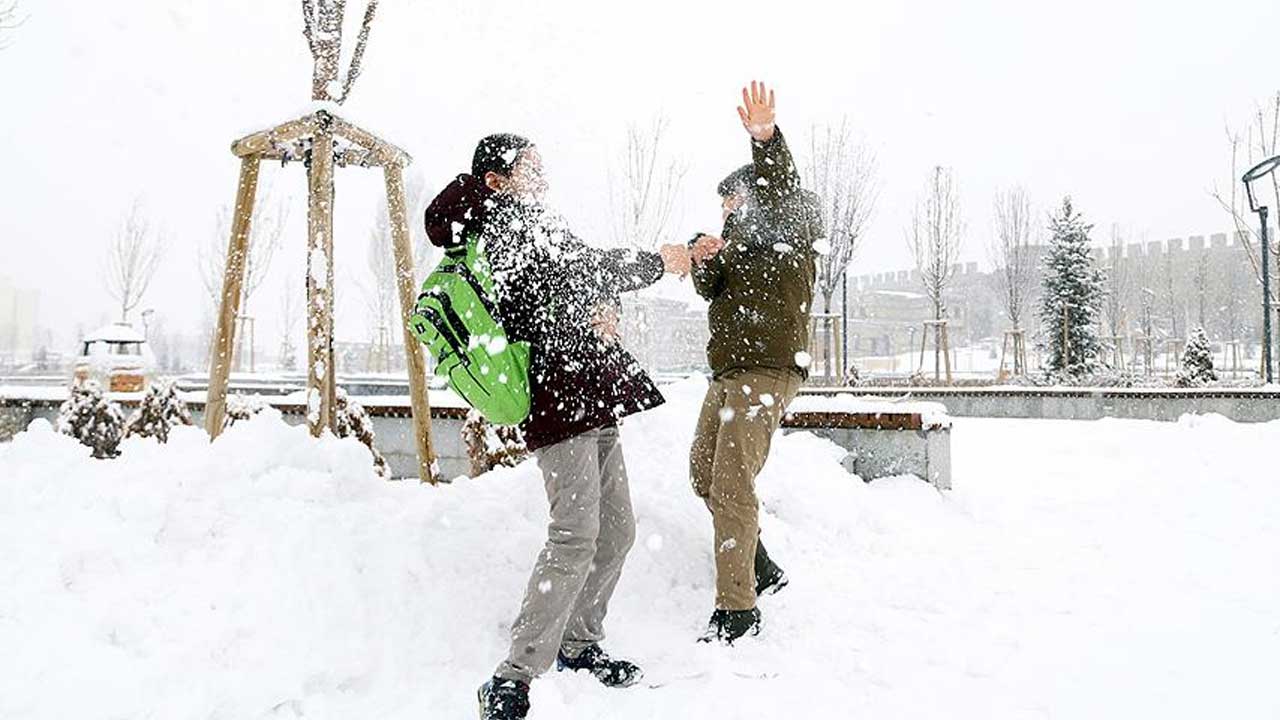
(351, 420)
(91, 418)
(1197, 361)
(489, 446)
(160, 410)
(1073, 294)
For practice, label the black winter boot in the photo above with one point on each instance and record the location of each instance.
(609, 671)
(502, 699)
(769, 577)
(726, 626)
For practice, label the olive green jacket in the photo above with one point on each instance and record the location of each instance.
(761, 284)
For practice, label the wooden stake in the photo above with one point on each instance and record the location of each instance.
(220, 355)
(416, 366)
(320, 372)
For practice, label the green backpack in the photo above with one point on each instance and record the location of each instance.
(456, 317)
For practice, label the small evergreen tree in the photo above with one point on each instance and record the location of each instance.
(91, 418)
(1073, 293)
(489, 446)
(1197, 362)
(160, 410)
(351, 420)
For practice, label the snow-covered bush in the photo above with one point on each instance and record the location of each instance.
(489, 446)
(91, 418)
(351, 420)
(241, 407)
(160, 410)
(1197, 362)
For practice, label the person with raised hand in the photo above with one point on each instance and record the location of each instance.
(758, 276)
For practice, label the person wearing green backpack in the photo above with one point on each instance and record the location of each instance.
(558, 297)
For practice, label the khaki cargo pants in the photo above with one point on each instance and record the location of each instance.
(742, 410)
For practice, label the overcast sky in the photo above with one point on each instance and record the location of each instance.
(1121, 104)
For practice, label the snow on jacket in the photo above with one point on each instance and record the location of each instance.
(550, 285)
(761, 284)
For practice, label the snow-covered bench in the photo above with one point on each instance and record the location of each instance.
(883, 437)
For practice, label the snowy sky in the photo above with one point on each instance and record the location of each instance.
(1121, 104)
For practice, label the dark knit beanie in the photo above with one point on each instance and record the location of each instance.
(498, 154)
(739, 180)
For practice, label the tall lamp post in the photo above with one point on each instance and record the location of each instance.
(1261, 170)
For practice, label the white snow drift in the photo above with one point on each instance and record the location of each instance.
(1079, 570)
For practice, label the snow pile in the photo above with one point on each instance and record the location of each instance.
(269, 575)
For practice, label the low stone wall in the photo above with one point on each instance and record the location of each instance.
(881, 439)
(1239, 404)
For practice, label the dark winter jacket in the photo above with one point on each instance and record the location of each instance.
(761, 284)
(550, 285)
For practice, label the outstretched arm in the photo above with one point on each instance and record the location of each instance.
(779, 179)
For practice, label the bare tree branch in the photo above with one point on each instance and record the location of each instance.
(9, 21)
(935, 236)
(131, 261)
(843, 174)
(649, 185)
(1012, 253)
(265, 228)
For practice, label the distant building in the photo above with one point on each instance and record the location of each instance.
(18, 314)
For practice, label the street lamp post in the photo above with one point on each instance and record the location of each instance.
(1261, 170)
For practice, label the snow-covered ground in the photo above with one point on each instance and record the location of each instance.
(1112, 569)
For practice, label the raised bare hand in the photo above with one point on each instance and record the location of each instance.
(757, 111)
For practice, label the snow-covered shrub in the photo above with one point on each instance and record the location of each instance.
(351, 420)
(160, 410)
(853, 378)
(1197, 362)
(241, 407)
(91, 418)
(489, 446)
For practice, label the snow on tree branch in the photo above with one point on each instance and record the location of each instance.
(322, 27)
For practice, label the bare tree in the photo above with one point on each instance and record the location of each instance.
(288, 357)
(265, 228)
(934, 237)
(643, 191)
(1012, 253)
(842, 173)
(1259, 140)
(322, 27)
(131, 261)
(380, 293)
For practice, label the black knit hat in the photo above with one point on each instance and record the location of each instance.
(497, 153)
(739, 180)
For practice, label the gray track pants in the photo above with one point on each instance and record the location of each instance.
(592, 528)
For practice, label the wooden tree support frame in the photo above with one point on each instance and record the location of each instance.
(1015, 340)
(322, 140)
(941, 345)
